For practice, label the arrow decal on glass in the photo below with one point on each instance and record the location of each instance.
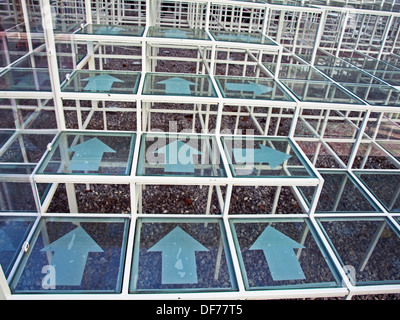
(177, 85)
(178, 257)
(70, 256)
(279, 253)
(102, 82)
(265, 154)
(178, 157)
(88, 155)
(248, 87)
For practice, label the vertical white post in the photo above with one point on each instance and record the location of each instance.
(5, 292)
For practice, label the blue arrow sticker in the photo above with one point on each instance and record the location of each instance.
(279, 253)
(178, 257)
(102, 82)
(88, 155)
(70, 256)
(177, 85)
(178, 157)
(265, 154)
(258, 89)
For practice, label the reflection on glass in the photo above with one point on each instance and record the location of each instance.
(182, 256)
(264, 157)
(378, 95)
(251, 88)
(103, 81)
(13, 232)
(74, 256)
(85, 153)
(368, 249)
(281, 254)
(120, 30)
(178, 85)
(183, 155)
(180, 33)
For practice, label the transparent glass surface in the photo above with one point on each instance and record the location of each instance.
(115, 30)
(281, 254)
(180, 33)
(265, 157)
(74, 256)
(369, 249)
(13, 232)
(392, 146)
(90, 153)
(296, 71)
(320, 91)
(5, 135)
(179, 155)
(232, 36)
(16, 196)
(25, 79)
(375, 94)
(340, 194)
(103, 81)
(181, 256)
(251, 88)
(348, 75)
(385, 187)
(26, 148)
(178, 85)
(369, 156)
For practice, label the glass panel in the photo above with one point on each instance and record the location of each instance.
(311, 91)
(178, 255)
(25, 79)
(27, 148)
(74, 256)
(348, 75)
(173, 155)
(264, 157)
(178, 85)
(385, 186)
(296, 71)
(13, 232)
(378, 95)
(254, 37)
(120, 30)
(393, 146)
(251, 88)
(181, 33)
(281, 255)
(368, 249)
(103, 81)
(90, 153)
(369, 156)
(341, 193)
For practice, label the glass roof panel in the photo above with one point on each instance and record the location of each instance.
(251, 88)
(124, 82)
(90, 153)
(25, 79)
(171, 84)
(180, 33)
(253, 37)
(120, 30)
(183, 155)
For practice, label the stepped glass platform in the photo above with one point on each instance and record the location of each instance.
(210, 149)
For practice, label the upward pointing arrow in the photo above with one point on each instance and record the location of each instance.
(264, 154)
(178, 157)
(279, 253)
(178, 257)
(70, 256)
(177, 85)
(248, 87)
(102, 82)
(88, 155)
